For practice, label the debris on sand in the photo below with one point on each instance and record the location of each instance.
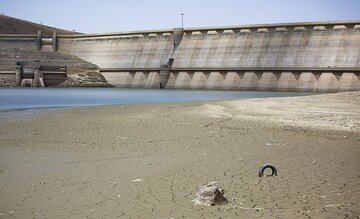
(210, 194)
(266, 166)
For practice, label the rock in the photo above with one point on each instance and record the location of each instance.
(89, 79)
(6, 83)
(210, 194)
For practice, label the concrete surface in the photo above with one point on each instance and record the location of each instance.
(294, 56)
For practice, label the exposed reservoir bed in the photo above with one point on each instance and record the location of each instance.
(147, 160)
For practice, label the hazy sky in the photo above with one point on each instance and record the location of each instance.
(118, 15)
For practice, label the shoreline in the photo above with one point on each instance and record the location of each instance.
(69, 97)
(147, 160)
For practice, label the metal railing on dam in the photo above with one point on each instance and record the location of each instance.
(288, 56)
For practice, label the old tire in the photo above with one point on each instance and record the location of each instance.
(264, 167)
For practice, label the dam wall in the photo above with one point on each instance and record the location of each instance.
(321, 56)
(26, 42)
(318, 47)
(128, 51)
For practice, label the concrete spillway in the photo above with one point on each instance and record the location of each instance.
(322, 56)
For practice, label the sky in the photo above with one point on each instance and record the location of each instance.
(92, 16)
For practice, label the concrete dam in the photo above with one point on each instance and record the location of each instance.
(321, 56)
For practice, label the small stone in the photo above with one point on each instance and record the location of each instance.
(137, 180)
(210, 194)
(11, 212)
(268, 144)
(42, 183)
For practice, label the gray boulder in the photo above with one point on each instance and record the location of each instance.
(210, 194)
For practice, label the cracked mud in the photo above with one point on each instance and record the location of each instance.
(146, 161)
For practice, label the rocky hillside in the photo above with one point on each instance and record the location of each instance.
(11, 25)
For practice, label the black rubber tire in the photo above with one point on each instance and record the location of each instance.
(264, 167)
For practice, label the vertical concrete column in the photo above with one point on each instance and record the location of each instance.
(268, 81)
(215, 81)
(183, 80)
(287, 81)
(231, 81)
(177, 36)
(327, 82)
(249, 81)
(41, 79)
(307, 82)
(39, 39)
(198, 80)
(139, 79)
(153, 80)
(348, 81)
(164, 75)
(54, 41)
(171, 80)
(36, 82)
(18, 72)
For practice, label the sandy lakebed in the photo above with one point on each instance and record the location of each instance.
(146, 161)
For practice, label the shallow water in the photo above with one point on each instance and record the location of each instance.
(26, 98)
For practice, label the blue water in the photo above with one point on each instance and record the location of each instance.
(25, 98)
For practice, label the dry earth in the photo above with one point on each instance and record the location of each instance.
(146, 161)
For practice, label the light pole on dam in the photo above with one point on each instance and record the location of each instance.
(182, 20)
